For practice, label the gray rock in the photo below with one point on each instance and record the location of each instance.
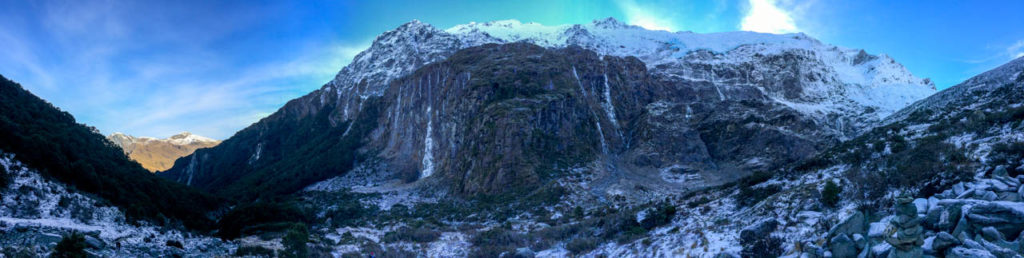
(960, 252)
(854, 224)
(758, 230)
(881, 250)
(1020, 191)
(94, 243)
(1008, 196)
(44, 239)
(987, 195)
(944, 241)
(860, 240)
(1000, 171)
(944, 216)
(526, 252)
(991, 234)
(1006, 217)
(958, 188)
(843, 247)
(726, 255)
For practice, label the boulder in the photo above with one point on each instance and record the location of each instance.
(958, 188)
(1008, 196)
(877, 229)
(943, 216)
(1020, 191)
(987, 195)
(1006, 217)
(527, 252)
(860, 240)
(921, 204)
(45, 239)
(991, 234)
(943, 241)
(94, 243)
(854, 224)
(758, 230)
(960, 252)
(843, 247)
(881, 250)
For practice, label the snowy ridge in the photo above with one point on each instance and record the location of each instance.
(851, 82)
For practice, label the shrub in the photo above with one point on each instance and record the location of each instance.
(750, 195)
(418, 235)
(767, 247)
(175, 243)
(658, 216)
(71, 246)
(257, 251)
(259, 213)
(295, 241)
(581, 245)
(830, 194)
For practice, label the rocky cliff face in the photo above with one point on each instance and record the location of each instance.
(672, 110)
(159, 154)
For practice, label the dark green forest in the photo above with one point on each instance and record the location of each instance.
(52, 142)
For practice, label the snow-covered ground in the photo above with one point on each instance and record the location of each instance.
(36, 212)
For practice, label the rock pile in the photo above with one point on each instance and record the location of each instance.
(982, 218)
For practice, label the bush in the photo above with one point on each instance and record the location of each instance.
(767, 247)
(295, 241)
(750, 195)
(581, 245)
(418, 235)
(175, 243)
(659, 216)
(233, 224)
(257, 251)
(71, 246)
(830, 194)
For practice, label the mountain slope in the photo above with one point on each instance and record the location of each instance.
(159, 154)
(779, 99)
(45, 138)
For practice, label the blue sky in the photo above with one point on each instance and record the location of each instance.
(212, 68)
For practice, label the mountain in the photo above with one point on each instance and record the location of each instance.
(159, 154)
(945, 173)
(50, 141)
(415, 106)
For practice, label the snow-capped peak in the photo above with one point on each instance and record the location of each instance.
(870, 81)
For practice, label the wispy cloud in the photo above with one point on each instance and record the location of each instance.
(649, 17)
(144, 70)
(767, 16)
(1016, 50)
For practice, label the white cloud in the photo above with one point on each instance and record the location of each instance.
(645, 16)
(1016, 50)
(766, 16)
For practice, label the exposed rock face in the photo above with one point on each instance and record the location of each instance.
(159, 154)
(611, 101)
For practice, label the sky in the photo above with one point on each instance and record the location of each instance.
(156, 68)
